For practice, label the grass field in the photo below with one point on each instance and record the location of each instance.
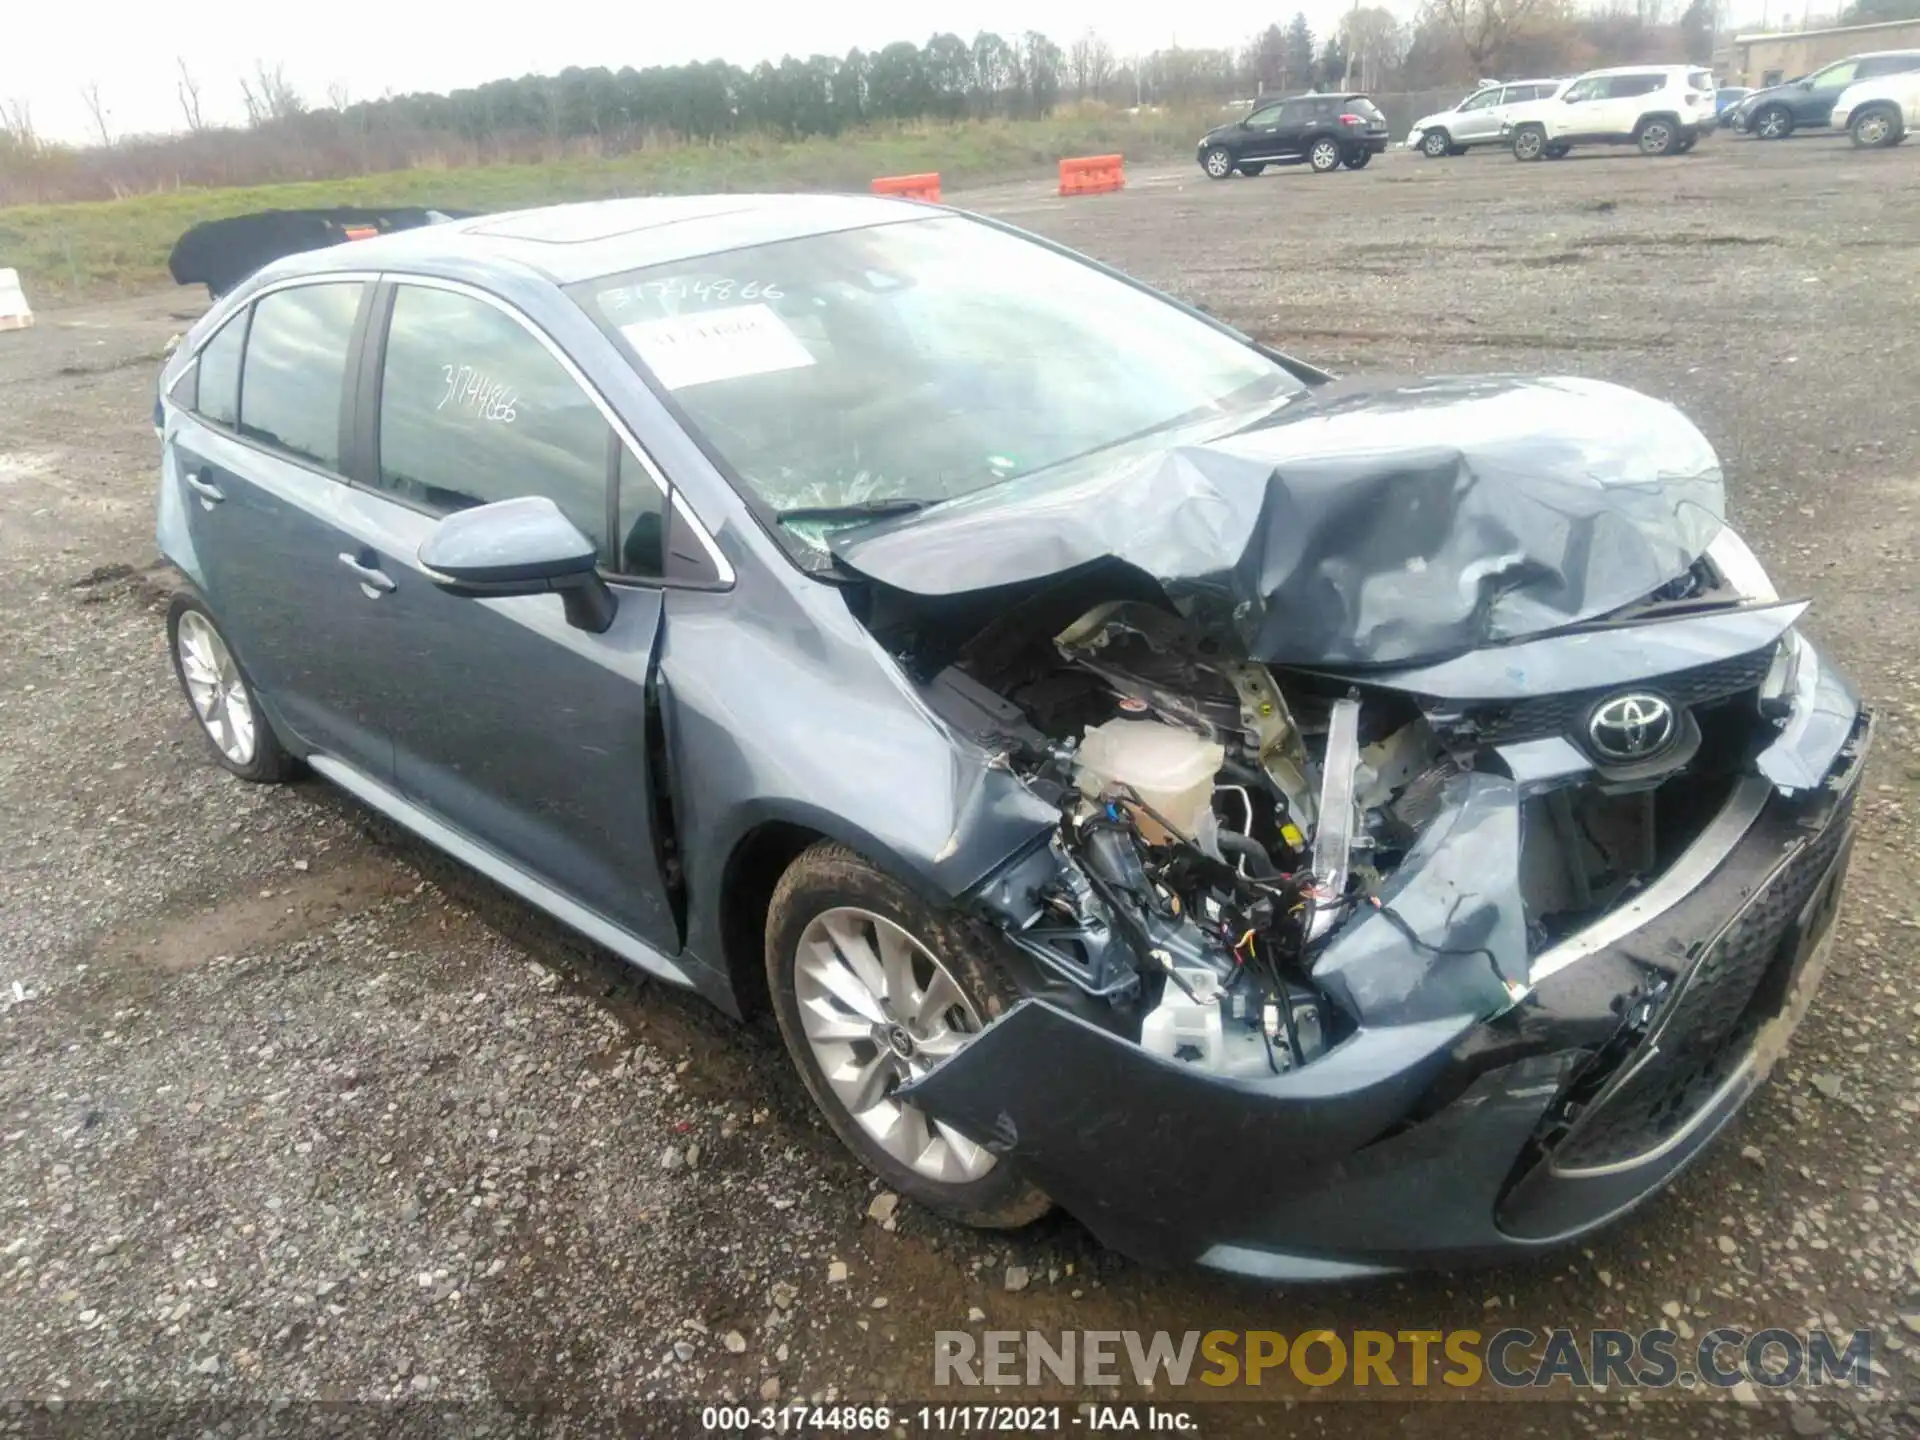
(71, 252)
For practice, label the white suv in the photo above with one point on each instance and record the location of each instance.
(1664, 109)
(1879, 111)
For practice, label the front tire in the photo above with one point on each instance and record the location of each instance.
(1773, 123)
(222, 695)
(1875, 128)
(1217, 162)
(872, 986)
(1558, 151)
(1529, 142)
(1324, 155)
(1436, 144)
(1253, 169)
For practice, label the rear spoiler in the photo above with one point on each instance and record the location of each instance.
(219, 254)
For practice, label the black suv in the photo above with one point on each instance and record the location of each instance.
(1324, 131)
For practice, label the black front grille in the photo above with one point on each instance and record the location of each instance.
(1705, 1026)
(1539, 716)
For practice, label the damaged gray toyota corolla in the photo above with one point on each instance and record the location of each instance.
(1142, 773)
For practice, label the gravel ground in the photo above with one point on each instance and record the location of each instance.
(291, 1107)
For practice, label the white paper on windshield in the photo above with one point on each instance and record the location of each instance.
(727, 344)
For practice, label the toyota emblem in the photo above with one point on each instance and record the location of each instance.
(1631, 727)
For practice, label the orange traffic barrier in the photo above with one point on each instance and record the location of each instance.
(1092, 175)
(909, 187)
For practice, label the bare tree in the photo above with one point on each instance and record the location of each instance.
(1485, 27)
(90, 97)
(269, 96)
(1374, 42)
(338, 97)
(188, 89)
(16, 124)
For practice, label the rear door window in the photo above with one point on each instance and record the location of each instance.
(296, 369)
(215, 380)
(1624, 87)
(474, 408)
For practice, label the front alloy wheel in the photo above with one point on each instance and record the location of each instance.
(1217, 162)
(1529, 142)
(873, 988)
(879, 1011)
(1436, 145)
(1324, 157)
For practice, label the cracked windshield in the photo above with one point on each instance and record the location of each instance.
(853, 376)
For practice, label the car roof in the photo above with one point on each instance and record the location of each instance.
(1640, 70)
(568, 243)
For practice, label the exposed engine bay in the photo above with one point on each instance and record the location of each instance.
(1219, 830)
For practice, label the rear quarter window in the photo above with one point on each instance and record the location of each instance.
(1700, 80)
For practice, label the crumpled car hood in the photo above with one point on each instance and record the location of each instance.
(1365, 524)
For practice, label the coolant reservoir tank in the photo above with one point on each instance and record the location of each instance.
(1171, 769)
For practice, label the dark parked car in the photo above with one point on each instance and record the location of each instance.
(1321, 131)
(1726, 102)
(1302, 827)
(1777, 111)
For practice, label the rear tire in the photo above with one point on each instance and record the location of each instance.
(1357, 159)
(1253, 169)
(1773, 123)
(849, 947)
(1656, 137)
(1324, 155)
(1436, 144)
(1529, 142)
(1876, 128)
(1217, 162)
(1686, 143)
(1558, 151)
(222, 696)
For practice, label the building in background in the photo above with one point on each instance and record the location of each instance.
(1761, 60)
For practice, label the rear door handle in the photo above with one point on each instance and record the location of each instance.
(204, 487)
(373, 580)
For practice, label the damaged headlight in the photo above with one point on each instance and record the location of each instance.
(1739, 568)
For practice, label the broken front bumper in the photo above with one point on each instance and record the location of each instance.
(1452, 1138)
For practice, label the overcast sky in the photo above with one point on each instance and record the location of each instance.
(51, 49)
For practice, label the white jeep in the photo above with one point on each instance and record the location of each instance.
(1663, 109)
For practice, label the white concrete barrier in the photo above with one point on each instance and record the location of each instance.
(14, 314)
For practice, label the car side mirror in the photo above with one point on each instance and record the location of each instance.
(520, 547)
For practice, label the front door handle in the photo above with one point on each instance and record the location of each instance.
(374, 581)
(203, 486)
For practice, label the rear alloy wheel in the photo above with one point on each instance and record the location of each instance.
(873, 988)
(1217, 162)
(1436, 145)
(1876, 128)
(1773, 123)
(1324, 156)
(1529, 142)
(222, 696)
(1253, 169)
(1357, 159)
(1656, 137)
